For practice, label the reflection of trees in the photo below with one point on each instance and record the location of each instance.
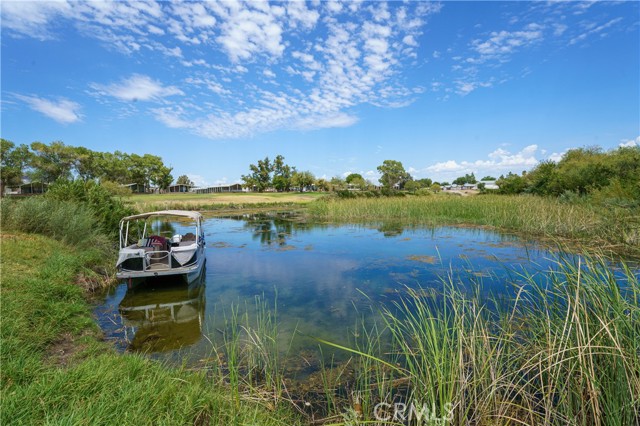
(272, 229)
(164, 228)
(391, 229)
(163, 316)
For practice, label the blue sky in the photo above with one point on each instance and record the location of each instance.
(336, 87)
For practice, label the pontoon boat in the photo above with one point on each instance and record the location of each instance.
(145, 252)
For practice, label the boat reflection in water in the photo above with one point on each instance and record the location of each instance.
(163, 315)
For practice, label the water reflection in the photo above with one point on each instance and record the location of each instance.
(269, 230)
(160, 316)
(323, 279)
(391, 229)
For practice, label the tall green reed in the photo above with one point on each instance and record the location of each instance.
(565, 349)
(593, 225)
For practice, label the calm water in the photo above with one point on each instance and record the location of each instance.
(321, 278)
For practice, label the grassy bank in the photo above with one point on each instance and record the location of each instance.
(591, 225)
(55, 369)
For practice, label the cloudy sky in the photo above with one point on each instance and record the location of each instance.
(336, 87)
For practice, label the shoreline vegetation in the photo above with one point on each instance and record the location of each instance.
(584, 225)
(57, 370)
(576, 222)
(566, 349)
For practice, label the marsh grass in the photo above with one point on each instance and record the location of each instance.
(590, 225)
(248, 356)
(70, 222)
(564, 350)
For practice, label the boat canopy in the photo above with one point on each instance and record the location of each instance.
(182, 213)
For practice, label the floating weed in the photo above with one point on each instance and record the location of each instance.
(424, 259)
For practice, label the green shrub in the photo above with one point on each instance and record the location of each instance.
(116, 189)
(71, 222)
(107, 208)
(424, 192)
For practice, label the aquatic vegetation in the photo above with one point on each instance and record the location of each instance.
(589, 224)
(423, 258)
(565, 349)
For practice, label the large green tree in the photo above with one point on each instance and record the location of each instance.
(356, 180)
(52, 162)
(113, 167)
(302, 180)
(467, 178)
(14, 161)
(184, 180)
(393, 173)
(282, 174)
(259, 177)
(511, 184)
(149, 169)
(322, 184)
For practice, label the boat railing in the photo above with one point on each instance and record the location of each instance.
(157, 259)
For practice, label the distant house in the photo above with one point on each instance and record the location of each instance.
(33, 188)
(235, 187)
(180, 188)
(12, 190)
(490, 184)
(136, 188)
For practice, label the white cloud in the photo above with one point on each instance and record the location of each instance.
(137, 88)
(592, 29)
(410, 40)
(63, 110)
(630, 142)
(327, 121)
(499, 162)
(446, 166)
(30, 18)
(557, 156)
(339, 55)
(301, 15)
(198, 180)
(501, 44)
(171, 118)
(251, 29)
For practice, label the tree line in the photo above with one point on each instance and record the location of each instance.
(583, 172)
(588, 171)
(44, 163)
(276, 175)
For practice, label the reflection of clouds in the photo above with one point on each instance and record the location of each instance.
(319, 291)
(294, 274)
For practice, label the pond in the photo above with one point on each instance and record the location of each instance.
(319, 279)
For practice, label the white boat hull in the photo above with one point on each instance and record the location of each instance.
(191, 272)
(148, 256)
